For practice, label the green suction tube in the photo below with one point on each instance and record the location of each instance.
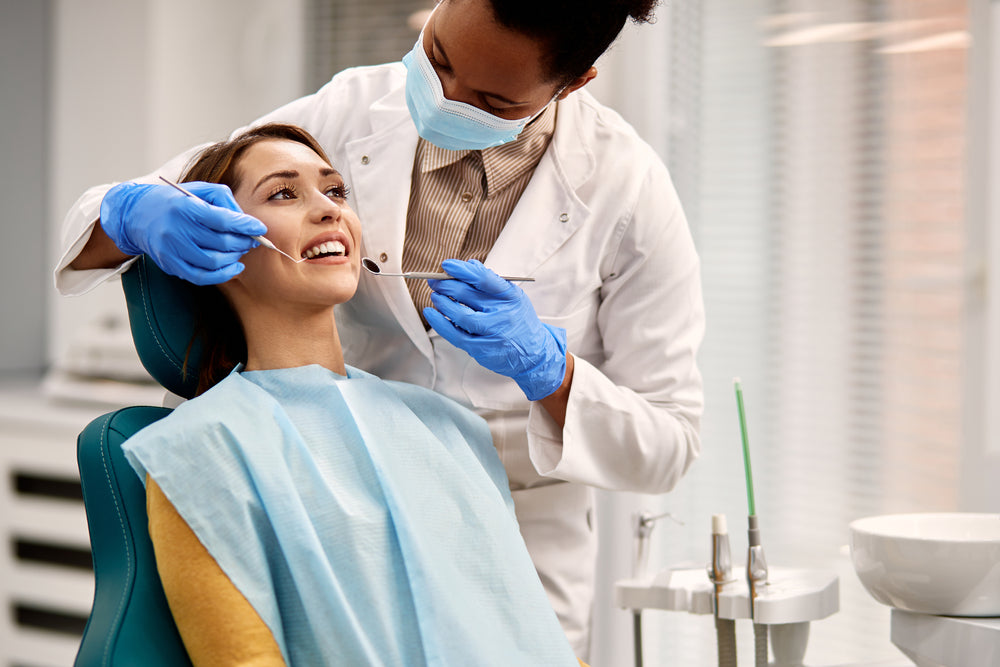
(746, 445)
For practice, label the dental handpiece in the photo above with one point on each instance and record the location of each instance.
(756, 580)
(720, 571)
(756, 563)
(259, 239)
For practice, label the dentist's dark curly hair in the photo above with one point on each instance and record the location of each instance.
(575, 32)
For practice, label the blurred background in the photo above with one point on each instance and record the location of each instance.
(839, 162)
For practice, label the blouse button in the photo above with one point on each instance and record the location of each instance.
(364, 159)
(466, 197)
(564, 217)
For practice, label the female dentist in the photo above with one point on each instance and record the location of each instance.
(586, 376)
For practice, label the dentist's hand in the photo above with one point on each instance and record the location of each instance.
(494, 321)
(199, 239)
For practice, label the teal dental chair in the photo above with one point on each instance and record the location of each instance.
(130, 623)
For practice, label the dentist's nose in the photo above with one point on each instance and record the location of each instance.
(455, 92)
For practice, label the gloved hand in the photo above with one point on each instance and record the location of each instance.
(199, 239)
(494, 321)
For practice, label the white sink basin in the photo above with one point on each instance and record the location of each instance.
(946, 564)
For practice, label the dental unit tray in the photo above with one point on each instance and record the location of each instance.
(791, 595)
(785, 605)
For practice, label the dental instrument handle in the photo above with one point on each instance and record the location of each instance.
(259, 239)
(756, 580)
(372, 267)
(720, 572)
(756, 563)
(643, 523)
(264, 241)
(437, 275)
(176, 187)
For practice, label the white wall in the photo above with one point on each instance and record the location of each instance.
(981, 438)
(137, 81)
(24, 61)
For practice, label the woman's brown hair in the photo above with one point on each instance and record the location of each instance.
(217, 326)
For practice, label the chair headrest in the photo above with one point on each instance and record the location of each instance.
(162, 319)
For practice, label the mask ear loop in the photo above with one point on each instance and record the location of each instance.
(547, 105)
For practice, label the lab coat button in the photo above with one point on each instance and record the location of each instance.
(564, 217)
(383, 258)
(364, 159)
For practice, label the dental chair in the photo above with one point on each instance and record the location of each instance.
(130, 622)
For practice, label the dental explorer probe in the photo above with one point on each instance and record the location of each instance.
(260, 239)
(756, 563)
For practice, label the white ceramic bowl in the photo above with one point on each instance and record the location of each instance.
(947, 564)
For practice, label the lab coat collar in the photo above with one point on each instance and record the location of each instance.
(380, 167)
(571, 144)
(550, 210)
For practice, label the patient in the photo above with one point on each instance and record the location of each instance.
(304, 512)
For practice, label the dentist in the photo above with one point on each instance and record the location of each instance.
(587, 376)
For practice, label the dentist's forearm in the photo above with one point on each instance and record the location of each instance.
(556, 402)
(100, 252)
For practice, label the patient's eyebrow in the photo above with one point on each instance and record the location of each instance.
(273, 175)
(291, 174)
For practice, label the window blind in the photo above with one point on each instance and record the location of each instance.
(350, 33)
(818, 147)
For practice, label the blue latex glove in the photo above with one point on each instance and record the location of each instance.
(199, 239)
(494, 321)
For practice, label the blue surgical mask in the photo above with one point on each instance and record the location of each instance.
(447, 123)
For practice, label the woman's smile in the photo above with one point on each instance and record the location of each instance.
(328, 248)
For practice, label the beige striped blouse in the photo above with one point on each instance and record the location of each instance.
(461, 200)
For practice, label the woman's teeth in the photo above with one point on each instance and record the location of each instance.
(335, 248)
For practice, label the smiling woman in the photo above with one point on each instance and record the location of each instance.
(305, 512)
(281, 176)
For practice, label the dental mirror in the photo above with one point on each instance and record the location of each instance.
(371, 266)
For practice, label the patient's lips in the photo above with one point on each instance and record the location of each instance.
(335, 248)
(331, 245)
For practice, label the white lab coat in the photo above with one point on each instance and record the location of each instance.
(602, 231)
